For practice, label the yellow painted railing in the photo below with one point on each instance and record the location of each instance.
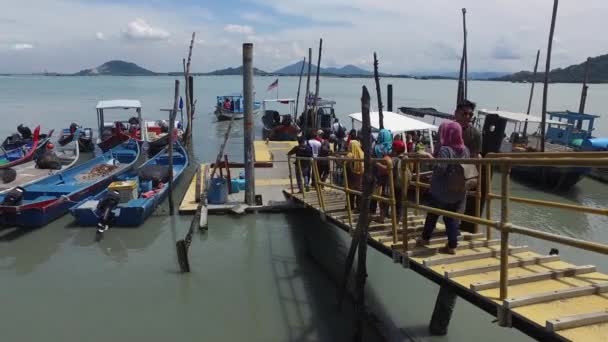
(504, 162)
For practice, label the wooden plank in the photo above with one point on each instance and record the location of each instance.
(576, 321)
(189, 204)
(511, 264)
(511, 303)
(467, 257)
(461, 246)
(568, 272)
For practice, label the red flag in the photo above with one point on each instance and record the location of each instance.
(273, 85)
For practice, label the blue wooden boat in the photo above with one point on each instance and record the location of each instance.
(132, 212)
(41, 202)
(232, 106)
(16, 152)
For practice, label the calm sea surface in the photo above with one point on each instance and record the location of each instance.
(253, 278)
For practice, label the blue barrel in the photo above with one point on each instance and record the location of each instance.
(595, 144)
(218, 191)
(234, 186)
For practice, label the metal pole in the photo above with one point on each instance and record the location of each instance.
(531, 92)
(248, 123)
(389, 97)
(546, 85)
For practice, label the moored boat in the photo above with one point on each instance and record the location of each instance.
(13, 153)
(46, 164)
(277, 126)
(141, 191)
(85, 137)
(45, 200)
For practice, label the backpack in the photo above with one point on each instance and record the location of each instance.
(341, 133)
(461, 177)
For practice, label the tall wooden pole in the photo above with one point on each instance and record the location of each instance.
(546, 83)
(189, 101)
(248, 122)
(363, 224)
(170, 147)
(299, 86)
(465, 55)
(317, 84)
(581, 107)
(531, 91)
(305, 121)
(378, 92)
(389, 97)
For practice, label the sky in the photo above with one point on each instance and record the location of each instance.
(410, 36)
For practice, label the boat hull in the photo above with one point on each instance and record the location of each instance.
(135, 212)
(550, 177)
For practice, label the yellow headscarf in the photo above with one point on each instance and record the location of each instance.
(355, 152)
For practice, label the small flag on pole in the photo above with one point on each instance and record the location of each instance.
(273, 85)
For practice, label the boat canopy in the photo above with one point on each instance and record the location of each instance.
(116, 104)
(395, 122)
(283, 101)
(518, 117)
(573, 115)
(422, 112)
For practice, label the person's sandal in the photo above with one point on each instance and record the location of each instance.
(423, 242)
(447, 250)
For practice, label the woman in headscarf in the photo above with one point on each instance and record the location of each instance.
(443, 196)
(382, 149)
(354, 171)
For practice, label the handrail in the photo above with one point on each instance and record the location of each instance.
(506, 161)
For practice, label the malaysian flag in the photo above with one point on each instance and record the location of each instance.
(273, 85)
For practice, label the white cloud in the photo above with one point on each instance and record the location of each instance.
(257, 17)
(100, 36)
(139, 29)
(242, 29)
(22, 46)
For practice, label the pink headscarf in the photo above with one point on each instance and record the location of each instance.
(450, 134)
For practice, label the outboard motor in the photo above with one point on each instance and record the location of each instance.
(105, 207)
(73, 127)
(14, 197)
(493, 134)
(26, 132)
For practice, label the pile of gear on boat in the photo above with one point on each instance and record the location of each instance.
(41, 181)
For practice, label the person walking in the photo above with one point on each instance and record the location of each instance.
(446, 194)
(354, 172)
(303, 171)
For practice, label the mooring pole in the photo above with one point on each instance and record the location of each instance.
(248, 123)
(170, 147)
(442, 314)
(389, 97)
(465, 55)
(581, 107)
(378, 92)
(546, 83)
(305, 121)
(531, 92)
(299, 86)
(314, 120)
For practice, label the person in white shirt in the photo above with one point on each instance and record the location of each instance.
(315, 145)
(340, 132)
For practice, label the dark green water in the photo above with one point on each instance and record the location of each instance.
(265, 277)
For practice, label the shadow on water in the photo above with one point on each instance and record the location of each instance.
(322, 293)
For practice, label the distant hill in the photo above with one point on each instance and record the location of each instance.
(116, 68)
(233, 71)
(347, 70)
(473, 75)
(598, 73)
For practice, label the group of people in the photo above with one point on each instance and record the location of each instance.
(231, 105)
(457, 139)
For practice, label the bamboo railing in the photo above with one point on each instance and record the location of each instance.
(504, 162)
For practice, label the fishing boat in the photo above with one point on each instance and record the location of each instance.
(85, 138)
(546, 177)
(57, 159)
(136, 195)
(232, 106)
(322, 119)
(277, 126)
(13, 154)
(23, 137)
(45, 200)
(153, 133)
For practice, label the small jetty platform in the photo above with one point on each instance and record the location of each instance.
(271, 177)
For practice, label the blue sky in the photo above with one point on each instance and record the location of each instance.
(409, 35)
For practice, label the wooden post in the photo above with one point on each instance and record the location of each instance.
(305, 121)
(170, 147)
(442, 313)
(186, 66)
(299, 85)
(378, 92)
(488, 176)
(248, 123)
(546, 83)
(504, 241)
(531, 92)
(465, 55)
(581, 107)
(389, 97)
(363, 223)
(314, 120)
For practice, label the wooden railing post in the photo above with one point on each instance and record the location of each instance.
(290, 174)
(392, 201)
(404, 187)
(315, 170)
(416, 212)
(348, 204)
(303, 181)
(478, 195)
(488, 200)
(504, 242)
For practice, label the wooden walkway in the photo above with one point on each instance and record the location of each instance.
(549, 299)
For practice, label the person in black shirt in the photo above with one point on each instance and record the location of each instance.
(472, 140)
(302, 150)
